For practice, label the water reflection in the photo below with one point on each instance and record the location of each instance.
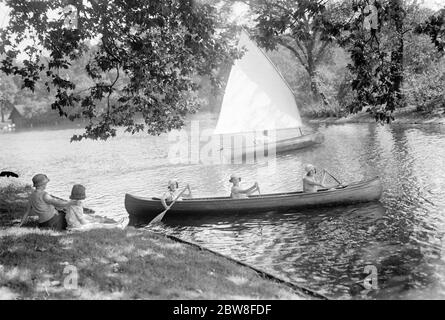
(324, 249)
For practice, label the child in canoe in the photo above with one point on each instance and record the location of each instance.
(75, 217)
(173, 192)
(237, 192)
(310, 183)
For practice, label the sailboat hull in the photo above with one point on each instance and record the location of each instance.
(280, 146)
(296, 143)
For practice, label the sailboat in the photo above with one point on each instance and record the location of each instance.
(259, 111)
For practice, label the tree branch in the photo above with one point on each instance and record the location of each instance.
(321, 52)
(295, 52)
(111, 89)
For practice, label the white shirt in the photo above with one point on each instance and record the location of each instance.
(74, 216)
(236, 194)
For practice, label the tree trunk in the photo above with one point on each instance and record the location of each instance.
(398, 69)
(397, 53)
(311, 71)
(1, 111)
(314, 87)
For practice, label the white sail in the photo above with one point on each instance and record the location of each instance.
(256, 97)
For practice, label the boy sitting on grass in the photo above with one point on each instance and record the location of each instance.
(42, 204)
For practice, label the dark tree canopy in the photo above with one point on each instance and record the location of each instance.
(435, 28)
(146, 57)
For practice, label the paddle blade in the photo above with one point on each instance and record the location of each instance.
(158, 218)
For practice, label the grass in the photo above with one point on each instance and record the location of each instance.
(118, 264)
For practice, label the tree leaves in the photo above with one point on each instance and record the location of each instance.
(143, 65)
(435, 28)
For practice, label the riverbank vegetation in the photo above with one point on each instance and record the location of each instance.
(115, 264)
(108, 64)
(356, 56)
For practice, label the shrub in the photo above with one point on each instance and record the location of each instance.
(317, 109)
(426, 91)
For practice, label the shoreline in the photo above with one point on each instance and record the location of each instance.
(123, 264)
(406, 115)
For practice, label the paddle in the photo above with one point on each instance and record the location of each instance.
(159, 217)
(258, 189)
(336, 180)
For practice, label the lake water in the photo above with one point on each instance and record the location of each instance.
(325, 250)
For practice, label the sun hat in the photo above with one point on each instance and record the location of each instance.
(39, 180)
(78, 192)
(233, 177)
(172, 182)
(309, 167)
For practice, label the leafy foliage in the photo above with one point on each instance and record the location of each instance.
(380, 59)
(435, 28)
(427, 90)
(143, 65)
(300, 26)
(377, 57)
(8, 89)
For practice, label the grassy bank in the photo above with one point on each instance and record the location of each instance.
(116, 264)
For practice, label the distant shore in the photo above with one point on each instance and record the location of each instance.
(119, 264)
(407, 115)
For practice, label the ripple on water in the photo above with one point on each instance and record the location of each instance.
(324, 249)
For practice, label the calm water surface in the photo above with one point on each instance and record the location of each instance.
(325, 250)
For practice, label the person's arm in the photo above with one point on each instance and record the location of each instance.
(81, 218)
(252, 189)
(313, 183)
(55, 202)
(163, 201)
(248, 191)
(25, 216)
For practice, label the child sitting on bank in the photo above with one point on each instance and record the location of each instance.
(45, 206)
(75, 217)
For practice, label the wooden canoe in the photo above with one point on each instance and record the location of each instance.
(142, 210)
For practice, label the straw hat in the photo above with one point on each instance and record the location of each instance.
(39, 180)
(172, 182)
(234, 176)
(78, 192)
(309, 167)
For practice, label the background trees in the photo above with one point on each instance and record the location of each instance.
(382, 57)
(152, 48)
(299, 26)
(114, 62)
(8, 90)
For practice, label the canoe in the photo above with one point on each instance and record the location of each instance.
(142, 210)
